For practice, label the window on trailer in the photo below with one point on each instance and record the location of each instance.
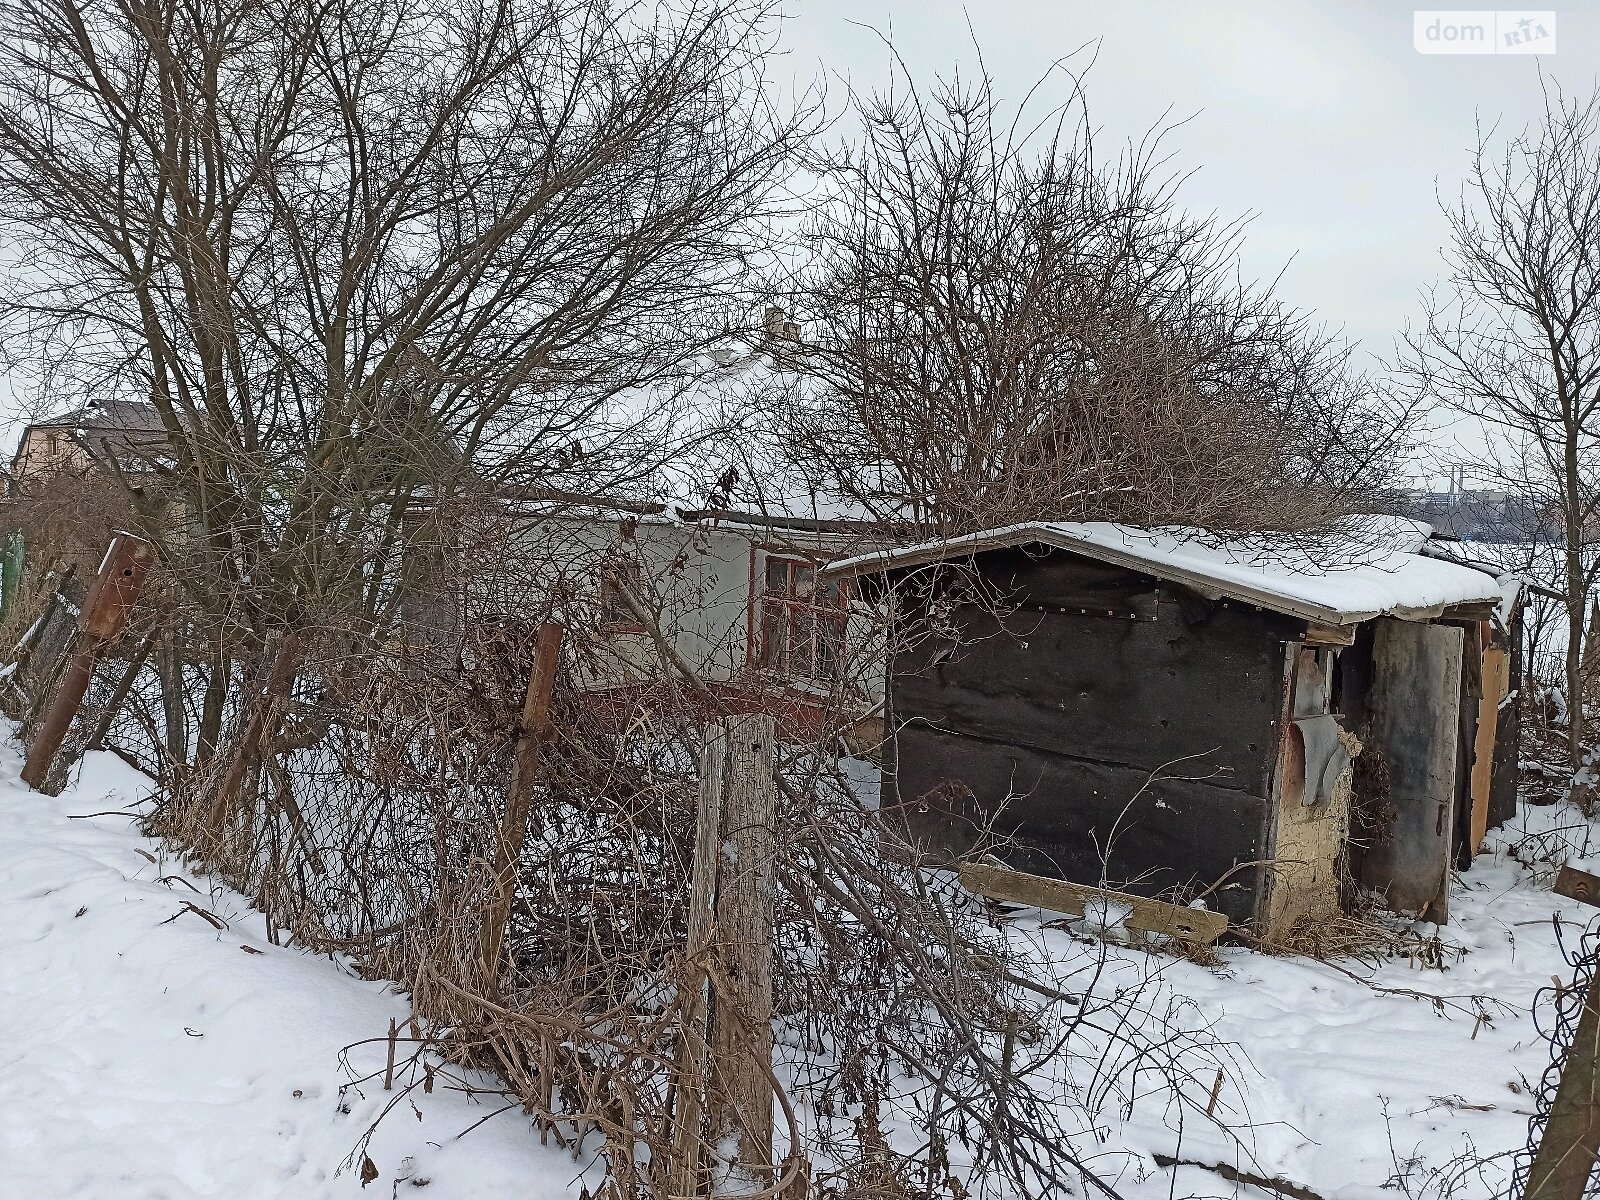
(802, 621)
(616, 615)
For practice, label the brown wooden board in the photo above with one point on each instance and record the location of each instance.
(1090, 822)
(1197, 926)
(1496, 681)
(1202, 682)
(1577, 885)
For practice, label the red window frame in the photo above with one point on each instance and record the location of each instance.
(800, 635)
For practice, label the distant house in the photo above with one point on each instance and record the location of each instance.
(57, 491)
(1261, 724)
(748, 606)
(93, 437)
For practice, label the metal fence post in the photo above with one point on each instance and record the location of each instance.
(531, 730)
(105, 613)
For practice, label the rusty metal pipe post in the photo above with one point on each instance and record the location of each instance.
(105, 614)
(531, 732)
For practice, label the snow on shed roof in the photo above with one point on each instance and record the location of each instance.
(1336, 580)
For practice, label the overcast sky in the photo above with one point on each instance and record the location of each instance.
(1320, 119)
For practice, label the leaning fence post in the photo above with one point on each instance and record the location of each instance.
(119, 693)
(730, 928)
(1571, 1142)
(105, 612)
(531, 730)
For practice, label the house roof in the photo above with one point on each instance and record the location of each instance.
(1334, 580)
(120, 416)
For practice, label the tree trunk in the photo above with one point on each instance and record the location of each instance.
(172, 701)
(1577, 595)
(1574, 678)
(215, 707)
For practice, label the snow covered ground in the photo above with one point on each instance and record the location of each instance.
(1359, 1093)
(148, 1053)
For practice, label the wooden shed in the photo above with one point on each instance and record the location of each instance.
(1267, 725)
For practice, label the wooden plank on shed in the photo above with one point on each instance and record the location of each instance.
(1330, 635)
(1496, 680)
(1198, 926)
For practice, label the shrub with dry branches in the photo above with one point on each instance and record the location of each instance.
(998, 326)
(922, 1049)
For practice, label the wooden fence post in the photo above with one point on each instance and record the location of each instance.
(694, 1070)
(1571, 1141)
(105, 613)
(726, 1059)
(531, 731)
(169, 665)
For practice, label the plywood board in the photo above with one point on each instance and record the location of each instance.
(1089, 822)
(1414, 700)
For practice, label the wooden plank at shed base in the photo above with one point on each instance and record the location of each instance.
(1198, 926)
(1578, 885)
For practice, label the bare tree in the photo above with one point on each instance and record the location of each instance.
(1513, 340)
(362, 257)
(998, 326)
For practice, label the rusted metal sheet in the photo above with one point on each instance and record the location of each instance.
(121, 578)
(1415, 703)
